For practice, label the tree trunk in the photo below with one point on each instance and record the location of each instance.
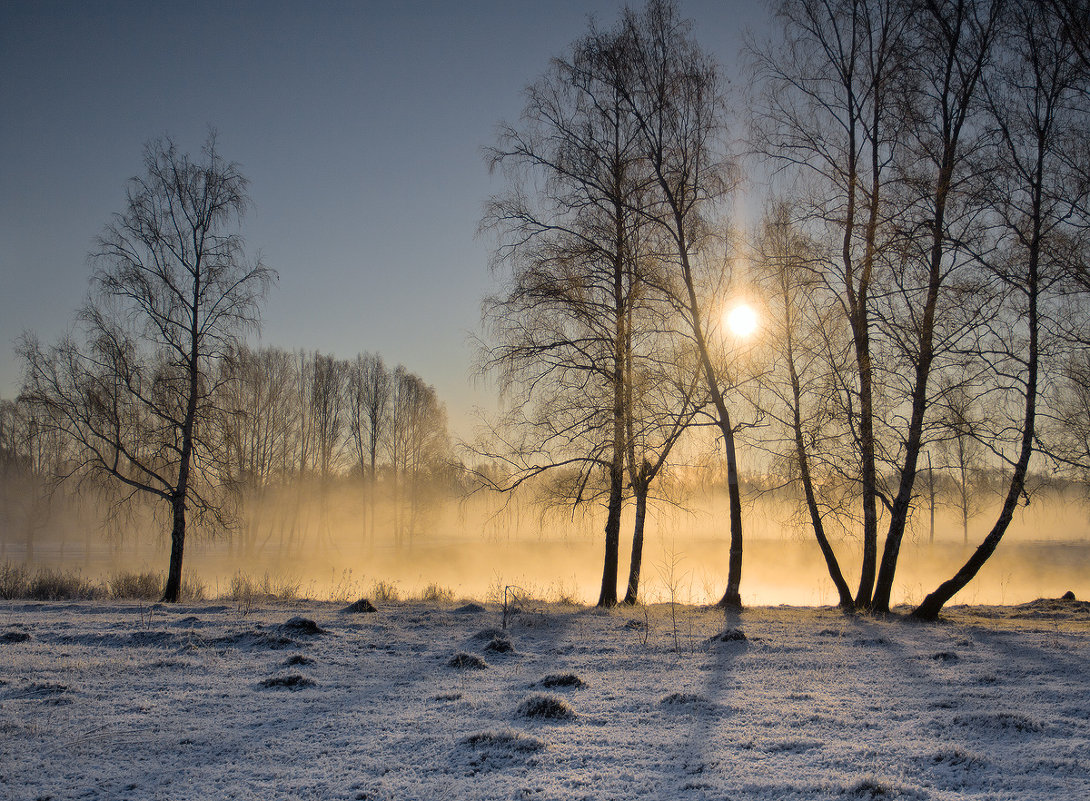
(636, 564)
(608, 595)
(732, 598)
(845, 594)
(173, 587)
(933, 603)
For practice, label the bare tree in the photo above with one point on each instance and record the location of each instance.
(369, 390)
(671, 90)
(256, 430)
(172, 291)
(833, 115)
(961, 425)
(797, 390)
(1037, 101)
(573, 245)
(875, 108)
(663, 395)
(419, 445)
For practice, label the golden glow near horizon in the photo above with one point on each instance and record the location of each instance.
(741, 320)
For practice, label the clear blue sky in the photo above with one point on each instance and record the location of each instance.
(360, 126)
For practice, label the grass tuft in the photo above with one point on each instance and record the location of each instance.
(545, 707)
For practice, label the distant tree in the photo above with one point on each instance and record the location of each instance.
(29, 453)
(327, 378)
(960, 429)
(369, 390)
(172, 291)
(257, 426)
(419, 446)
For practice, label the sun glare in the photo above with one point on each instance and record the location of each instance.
(741, 320)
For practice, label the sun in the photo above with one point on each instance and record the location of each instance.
(741, 320)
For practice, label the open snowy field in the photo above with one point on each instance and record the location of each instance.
(102, 700)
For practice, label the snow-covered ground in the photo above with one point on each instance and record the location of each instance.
(103, 700)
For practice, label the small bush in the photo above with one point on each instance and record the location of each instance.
(192, 588)
(437, 594)
(14, 581)
(385, 592)
(55, 585)
(143, 586)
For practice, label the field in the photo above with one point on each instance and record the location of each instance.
(120, 700)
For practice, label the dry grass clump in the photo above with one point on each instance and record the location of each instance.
(385, 592)
(57, 585)
(464, 661)
(437, 594)
(142, 586)
(291, 682)
(14, 580)
(245, 589)
(545, 707)
(48, 584)
(562, 680)
(506, 740)
(193, 588)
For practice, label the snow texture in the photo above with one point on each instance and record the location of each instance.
(298, 701)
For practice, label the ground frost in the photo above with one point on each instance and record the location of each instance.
(106, 700)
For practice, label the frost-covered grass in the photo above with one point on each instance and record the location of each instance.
(298, 699)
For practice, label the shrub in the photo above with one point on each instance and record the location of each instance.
(56, 585)
(143, 586)
(192, 588)
(385, 592)
(14, 581)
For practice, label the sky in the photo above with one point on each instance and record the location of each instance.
(360, 125)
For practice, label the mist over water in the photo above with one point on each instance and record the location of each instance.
(474, 548)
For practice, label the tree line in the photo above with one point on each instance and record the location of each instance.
(920, 266)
